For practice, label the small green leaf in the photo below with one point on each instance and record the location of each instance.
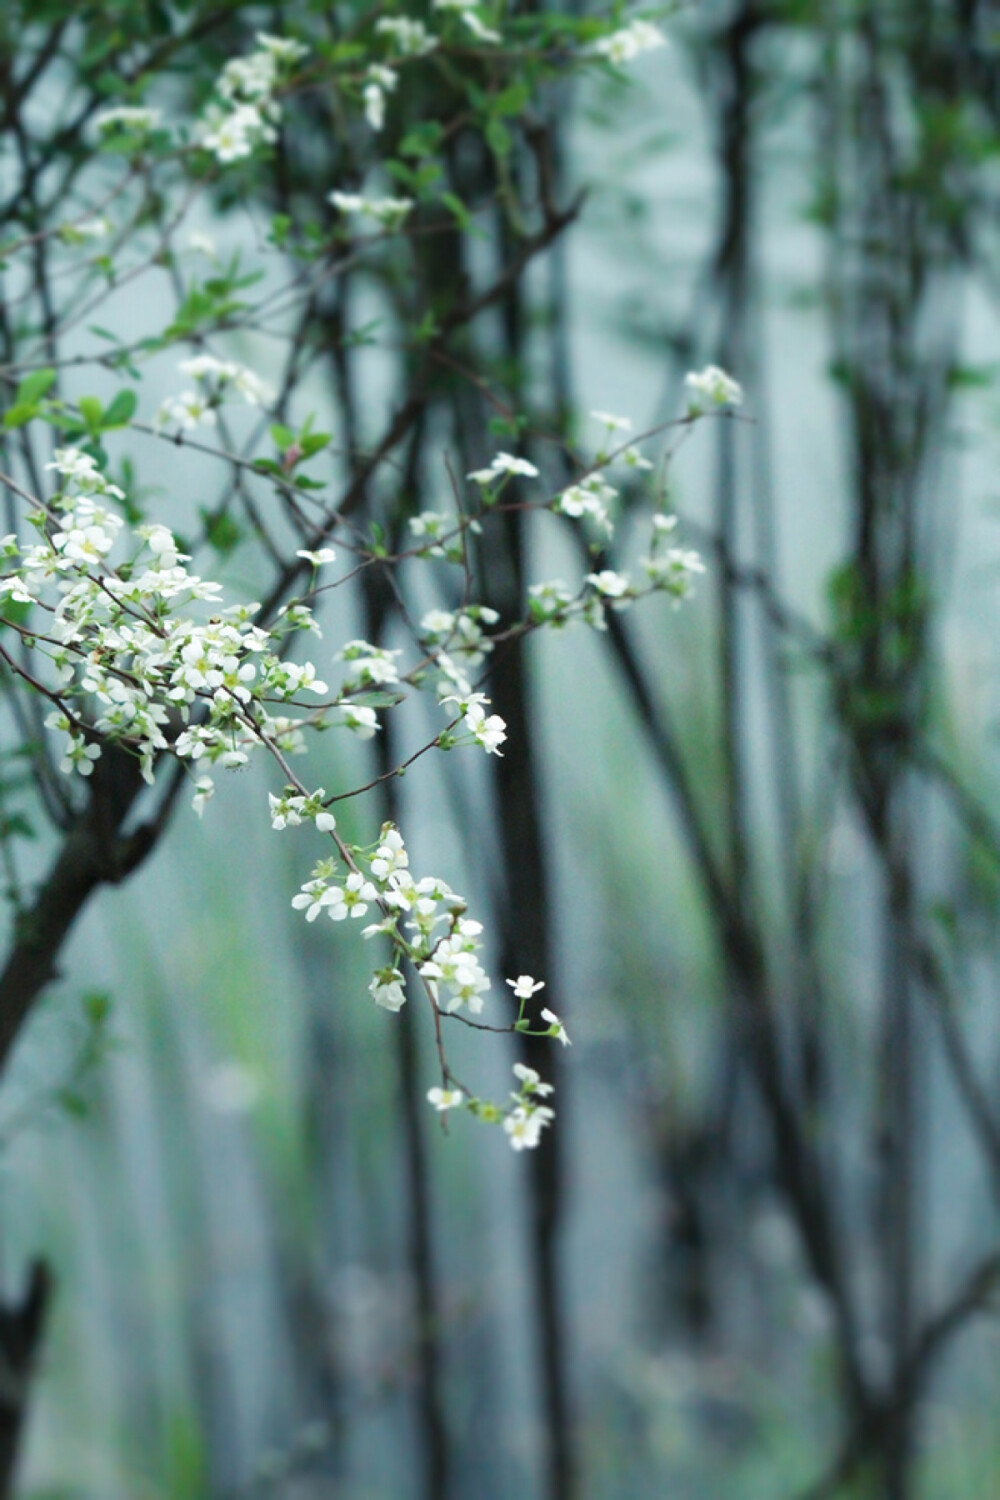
(462, 216)
(498, 137)
(91, 411)
(19, 414)
(34, 386)
(223, 533)
(122, 410)
(97, 1006)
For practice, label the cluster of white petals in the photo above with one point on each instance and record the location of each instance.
(503, 465)
(135, 651)
(407, 37)
(469, 13)
(390, 213)
(131, 117)
(711, 388)
(246, 112)
(630, 42)
(216, 380)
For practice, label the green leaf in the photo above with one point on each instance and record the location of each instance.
(34, 386)
(223, 533)
(122, 409)
(14, 612)
(512, 100)
(97, 1006)
(91, 411)
(17, 415)
(421, 139)
(73, 1103)
(498, 137)
(462, 215)
(15, 826)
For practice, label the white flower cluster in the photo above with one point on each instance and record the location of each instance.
(247, 113)
(711, 388)
(591, 497)
(504, 465)
(127, 117)
(668, 570)
(390, 213)
(133, 658)
(144, 654)
(630, 42)
(448, 634)
(407, 38)
(488, 730)
(440, 535)
(468, 12)
(379, 81)
(215, 379)
(368, 666)
(525, 1116)
(133, 650)
(291, 809)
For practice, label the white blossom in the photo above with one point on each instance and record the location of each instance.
(185, 412)
(711, 387)
(444, 1099)
(630, 42)
(503, 464)
(97, 228)
(204, 790)
(490, 731)
(610, 584)
(531, 1082)
(611, 422)
(369, 666)
(455, 970)
(479, 29)
(379, 81)
(387, 989)
(549, 602)
(351, 899)
(468, 12)
(202, 244)
(315, 896)
(591, 497)
(673, 571)
(525, 985)
(410, 38)
(558, 1030)
(282, 48)
(390, 857)
(391, 213)
(221, 375)
(362, 720)
(127, 117)
(524, 1125)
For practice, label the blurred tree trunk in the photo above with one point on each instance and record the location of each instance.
(22, 1327)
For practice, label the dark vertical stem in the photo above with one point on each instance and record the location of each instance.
(525, 942)
(436, 1469)
(22, 1327)
(732, 274)
(525, 948)
(379, 608)
(900, 1150)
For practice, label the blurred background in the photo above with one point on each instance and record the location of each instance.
(752, 846)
